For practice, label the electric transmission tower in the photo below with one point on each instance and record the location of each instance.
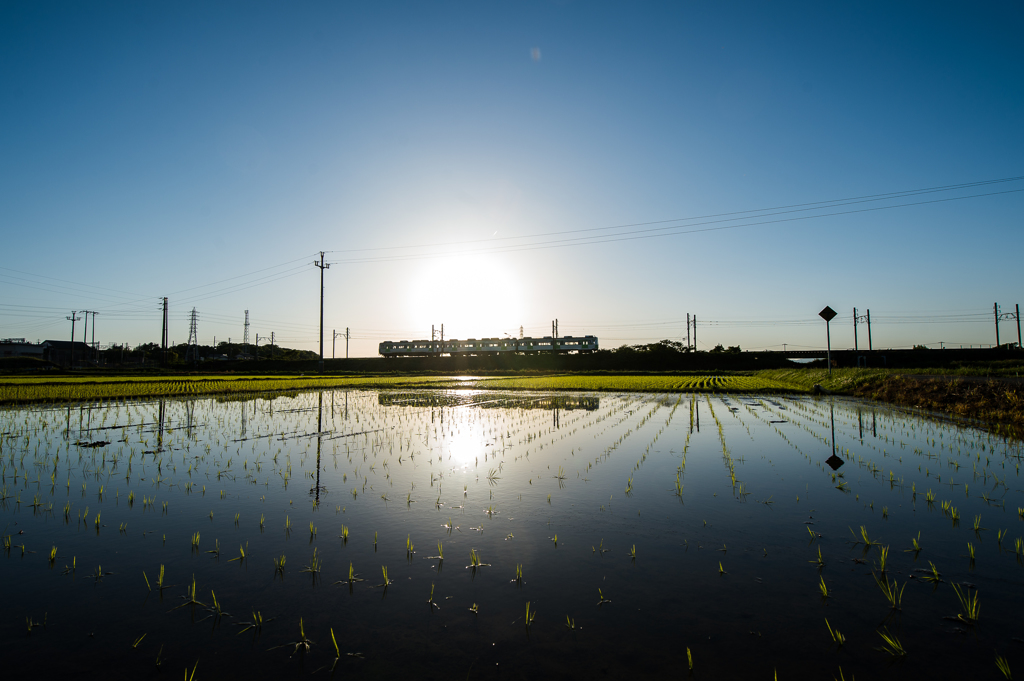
(193, 337)
(245, 336)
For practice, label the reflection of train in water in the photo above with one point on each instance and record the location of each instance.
(488, 400)
(490, 346)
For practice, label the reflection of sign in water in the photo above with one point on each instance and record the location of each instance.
(487, 400)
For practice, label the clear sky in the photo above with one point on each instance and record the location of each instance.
(441, 151)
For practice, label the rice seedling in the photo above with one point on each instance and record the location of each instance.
(195, 541)
(970, 551)
(977, 524)
(883, 559)
(30, 624)
(529, 615)
(892, 591)
(570, 623)
(303, 644)
(430, 599)
(137, 641)
(891, 644)
(825, 593)
(932, 575)
(190, 597)
(315, 565)
(474, 560)
(241, 554)
(1003, 666)
(916, 541)
(344, 534)
(475, 609)
(721, 570)
(53, 556)
(835, 634)
(312, 531)
(970, 610)
(819, 561)
(387, 582)
(601, 599)
(216, 548)
(554, 540)
(279, 566)
(191, 677)
(254, 625)
(518, 579)
(409, 547)
(864, 539)
(689, 659)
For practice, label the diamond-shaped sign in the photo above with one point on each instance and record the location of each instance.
(827, 314)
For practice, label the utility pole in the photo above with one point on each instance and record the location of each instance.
(1017, 315)
(85, 331)
(334, 338)
(995, 309)
(695, 333)
(323, 265)
(855, 346)
(870, 347)
(688, 346)
(271, 344)
(257, 346)
(163, 337)
(245, 334)
(346, 339)
(73, 318)
(95, 348)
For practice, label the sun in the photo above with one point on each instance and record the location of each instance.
(473, 295)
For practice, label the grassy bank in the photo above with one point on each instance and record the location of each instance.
(999, 403)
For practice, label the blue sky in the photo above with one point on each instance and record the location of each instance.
(207, 151)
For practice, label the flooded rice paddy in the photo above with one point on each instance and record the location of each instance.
(462, 534)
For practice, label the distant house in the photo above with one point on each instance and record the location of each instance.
(60, 352)
(19, 347)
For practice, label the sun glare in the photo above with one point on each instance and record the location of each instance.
(474, 296)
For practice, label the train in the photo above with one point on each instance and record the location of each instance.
(490, 346)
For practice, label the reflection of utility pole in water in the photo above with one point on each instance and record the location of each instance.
(67, 432)
(860, 424)
(319, 438)
(555, 417)
(697, 409)
(874, 432)
(242, 435)
(160, 432)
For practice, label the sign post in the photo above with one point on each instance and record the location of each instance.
(828, 314)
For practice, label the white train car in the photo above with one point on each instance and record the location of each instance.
(489, 346)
